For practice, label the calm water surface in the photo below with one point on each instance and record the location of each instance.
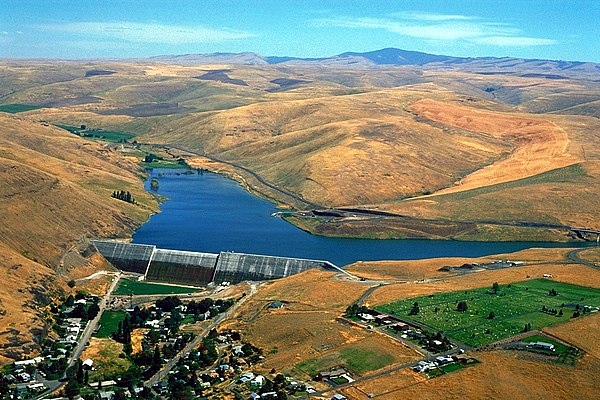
(210, 213)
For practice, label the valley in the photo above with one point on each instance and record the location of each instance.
(359, 145)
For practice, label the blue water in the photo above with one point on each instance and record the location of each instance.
(210, 213)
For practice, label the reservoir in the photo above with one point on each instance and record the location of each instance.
(207, 212)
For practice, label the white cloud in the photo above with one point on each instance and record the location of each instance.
(508, 41)
(418, 16)
(149, 32)
(440, 27)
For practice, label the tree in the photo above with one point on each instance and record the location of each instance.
(93, 311)
(462, 306)
(495, 287)
(79, 376)
(71, 283)
(560, 313)
(415, 309)
(491, 315)
(156, 359)
(72, 389)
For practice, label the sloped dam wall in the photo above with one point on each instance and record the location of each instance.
(199, 269)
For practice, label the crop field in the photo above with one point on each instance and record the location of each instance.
(109, 323)
(17, 108)
(491, 316)
(128, 286)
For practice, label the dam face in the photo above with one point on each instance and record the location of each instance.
(200, 269)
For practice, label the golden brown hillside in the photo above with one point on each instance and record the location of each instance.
(465, 154)
(55, 189)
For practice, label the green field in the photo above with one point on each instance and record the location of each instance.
(107, 136)
(109, 322)
(128, 286)
(164, 164)
(514, 306)
(17, 108)
(355, 358)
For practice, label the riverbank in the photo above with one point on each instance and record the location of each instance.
(382, 225)
(208, 212)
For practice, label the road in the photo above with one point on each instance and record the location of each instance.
(84, 339)
(574, 256)
(194, 343)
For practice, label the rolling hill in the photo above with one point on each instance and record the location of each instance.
(403, 132)
(55, 191)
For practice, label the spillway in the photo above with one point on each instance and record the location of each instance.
(200, 269)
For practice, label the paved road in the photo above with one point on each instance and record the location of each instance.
(574, 256)
(194, 343)
(83, 341)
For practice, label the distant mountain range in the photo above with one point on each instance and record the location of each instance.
(551, 69)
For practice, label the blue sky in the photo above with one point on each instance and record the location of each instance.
(549, 29)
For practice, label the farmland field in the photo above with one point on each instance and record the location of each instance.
(491, 316)
(17, 108)
(128, 286)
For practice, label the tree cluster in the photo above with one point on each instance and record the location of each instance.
(123, 334)
(415, 309)
(151, 158)
(124, 196)
(354, 309)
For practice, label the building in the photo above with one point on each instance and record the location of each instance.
(542, 346)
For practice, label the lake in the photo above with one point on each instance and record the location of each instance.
(210, 213)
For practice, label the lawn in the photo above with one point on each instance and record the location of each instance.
(128, 286)
(513, 307)
(109, 323)
(17, 108)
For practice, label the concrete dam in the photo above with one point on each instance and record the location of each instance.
(199, 269)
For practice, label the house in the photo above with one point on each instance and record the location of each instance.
(400, 327)
(276, 304)
(441, 360)
(32, 361)
(542, 346)
(254, 396)
(259, 380)
(36, 387)
(383, 319)
(366, 317)
(88, 363)
(424, 366)
(24, 377)
(338, 396)
(332, 374)
(108, 395)
(237, 351)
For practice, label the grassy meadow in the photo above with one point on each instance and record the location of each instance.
(492, 316)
